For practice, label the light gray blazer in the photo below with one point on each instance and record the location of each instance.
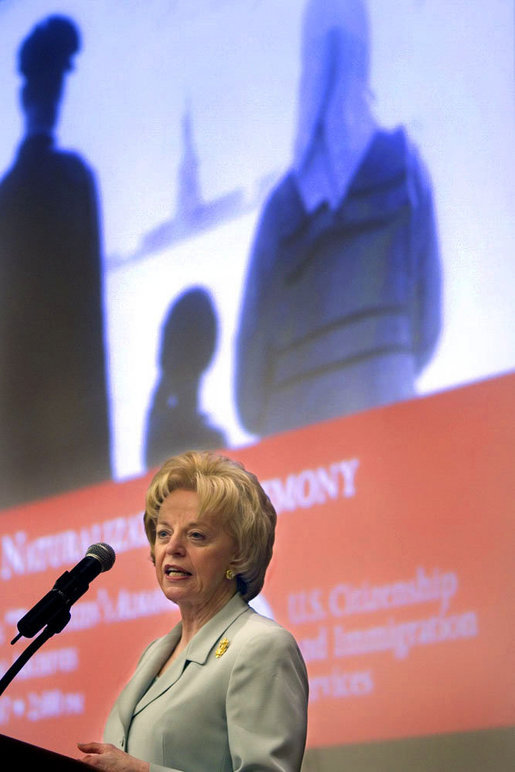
(245, 709)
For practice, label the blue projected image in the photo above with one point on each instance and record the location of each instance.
(188, 121)
(342, 299)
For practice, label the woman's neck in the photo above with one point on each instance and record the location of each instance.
(193, 619)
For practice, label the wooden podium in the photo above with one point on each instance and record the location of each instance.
(16, 754)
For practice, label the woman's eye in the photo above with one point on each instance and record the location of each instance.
(197, 535)
(161, 534)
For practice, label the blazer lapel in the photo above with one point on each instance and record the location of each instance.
(157, 686)
(148, 668)
(198, 650)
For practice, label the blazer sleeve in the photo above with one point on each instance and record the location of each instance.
(267, 704)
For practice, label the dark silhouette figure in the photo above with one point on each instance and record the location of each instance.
(53, 403)
(342, 301)
(188, 341)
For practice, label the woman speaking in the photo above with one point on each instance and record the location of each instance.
(226, 689)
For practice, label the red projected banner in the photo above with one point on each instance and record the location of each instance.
(393, 568)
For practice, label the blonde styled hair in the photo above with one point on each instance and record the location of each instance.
(225, 490)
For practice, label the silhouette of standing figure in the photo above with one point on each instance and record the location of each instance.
(342, 299)
(187, 346)
(53, 403)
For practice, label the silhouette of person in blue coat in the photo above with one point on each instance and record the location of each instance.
(341, 308)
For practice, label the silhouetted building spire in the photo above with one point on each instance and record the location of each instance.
(189, 198)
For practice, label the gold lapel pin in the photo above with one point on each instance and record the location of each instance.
(222, 648)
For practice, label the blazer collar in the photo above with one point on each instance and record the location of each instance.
(378, 188)
(146, 689)
(202, 643)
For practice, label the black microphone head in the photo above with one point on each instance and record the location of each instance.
(104, 553)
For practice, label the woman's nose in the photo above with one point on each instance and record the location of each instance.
(175, 545)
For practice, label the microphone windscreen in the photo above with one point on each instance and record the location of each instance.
(104, 553)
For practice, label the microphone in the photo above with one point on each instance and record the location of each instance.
(54, 607)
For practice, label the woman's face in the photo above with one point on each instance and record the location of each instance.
(191, 557)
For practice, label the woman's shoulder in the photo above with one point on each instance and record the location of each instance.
(261, 631)
(266, 649)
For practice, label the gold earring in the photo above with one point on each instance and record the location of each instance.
(229, 574)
